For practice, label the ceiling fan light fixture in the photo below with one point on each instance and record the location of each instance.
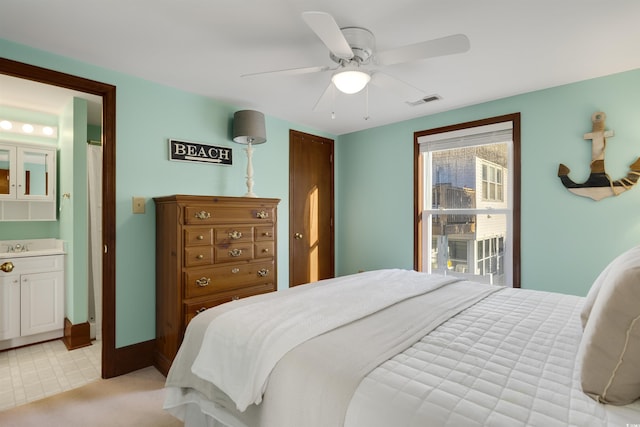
(350, 81)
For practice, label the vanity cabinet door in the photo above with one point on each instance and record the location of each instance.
(42, 302)
(9, 306)
(7, 172)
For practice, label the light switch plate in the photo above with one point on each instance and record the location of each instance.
(138, 205)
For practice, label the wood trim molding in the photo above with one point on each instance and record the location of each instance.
(76, 336)
(133, 357)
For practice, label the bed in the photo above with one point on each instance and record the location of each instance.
(402, 348)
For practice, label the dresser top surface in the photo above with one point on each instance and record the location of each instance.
(184, 198)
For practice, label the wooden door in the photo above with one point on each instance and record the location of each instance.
(311, 233)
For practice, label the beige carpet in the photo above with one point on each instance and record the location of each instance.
(134, 399)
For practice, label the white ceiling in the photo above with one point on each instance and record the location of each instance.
(204, 46)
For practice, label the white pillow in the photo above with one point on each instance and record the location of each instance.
(628, 259)
(610, 347)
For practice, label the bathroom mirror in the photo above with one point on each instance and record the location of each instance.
(36, 173)
(27, 182)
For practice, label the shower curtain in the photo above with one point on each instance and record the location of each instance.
(94, 176)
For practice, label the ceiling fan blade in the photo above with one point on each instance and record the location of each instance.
(399, 88)
(290, 71)
(328, 31)
(458, 43)
(326, 100)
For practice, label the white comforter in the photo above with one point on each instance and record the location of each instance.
(242, 346)
(328, 367)
(508, 359)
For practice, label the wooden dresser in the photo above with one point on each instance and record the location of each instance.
(209, 250)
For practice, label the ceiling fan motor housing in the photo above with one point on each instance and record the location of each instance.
(361, 41)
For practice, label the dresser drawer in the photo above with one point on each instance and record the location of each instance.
(233, 252)
(264, 233)
(198, 255)
(207, 214)
(191, 309)
(233, 235)
(205, 281)
(194, 236)
(264, 250)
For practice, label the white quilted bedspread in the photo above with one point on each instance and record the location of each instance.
(507, 361)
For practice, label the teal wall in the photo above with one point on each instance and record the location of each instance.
(94, 133)
(72, 215)
(566, 239)
(148, 115)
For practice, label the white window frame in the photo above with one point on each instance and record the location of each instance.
(496, 132)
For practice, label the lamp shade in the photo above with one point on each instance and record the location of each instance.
(248, 127)
(350, 81)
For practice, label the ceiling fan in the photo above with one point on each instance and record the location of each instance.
(353, 51)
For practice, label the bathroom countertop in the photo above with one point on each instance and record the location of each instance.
(34, 247)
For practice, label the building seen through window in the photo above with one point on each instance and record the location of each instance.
(469, 178)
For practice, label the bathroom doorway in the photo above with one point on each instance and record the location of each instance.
(107, 94)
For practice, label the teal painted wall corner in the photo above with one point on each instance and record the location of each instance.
(566, 240)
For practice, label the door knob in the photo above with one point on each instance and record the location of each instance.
(298, 235)
(7, 267)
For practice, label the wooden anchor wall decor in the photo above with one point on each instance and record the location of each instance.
(599, 185)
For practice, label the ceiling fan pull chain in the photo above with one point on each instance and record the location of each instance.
(333, 101)
(366, 106)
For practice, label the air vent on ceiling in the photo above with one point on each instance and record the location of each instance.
(426, 99)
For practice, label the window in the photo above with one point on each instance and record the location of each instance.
(467, 200)
(492, 182)
(490, 257)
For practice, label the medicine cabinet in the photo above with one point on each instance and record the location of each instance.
(27, 182)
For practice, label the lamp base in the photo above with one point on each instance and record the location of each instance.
(250, 192)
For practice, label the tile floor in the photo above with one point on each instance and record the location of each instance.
(41, 370)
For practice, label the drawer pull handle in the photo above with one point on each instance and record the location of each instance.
(266, 234)
(203, 215)
(200, 256)
(235, 270)
(200, 310)
(263, 272)
(262, 214)
(200, 237)
(235, 235)
(203, 281)
(265, 250)
(7, 267)
(235, 252)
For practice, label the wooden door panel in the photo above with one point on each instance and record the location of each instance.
(4, 181)
(311, 179)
